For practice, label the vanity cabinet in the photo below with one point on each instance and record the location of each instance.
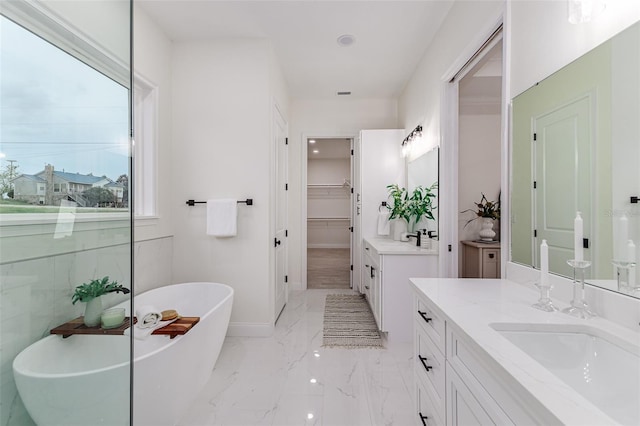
(387, 267)
(453, 385)
(371, 280)
(480, 260)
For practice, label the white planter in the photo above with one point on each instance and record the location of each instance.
(92, 312)
(487, 233)
(399, 228)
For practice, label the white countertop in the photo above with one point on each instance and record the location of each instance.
(473, 304)
(389, 246)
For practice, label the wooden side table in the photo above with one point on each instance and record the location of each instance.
(480, 259)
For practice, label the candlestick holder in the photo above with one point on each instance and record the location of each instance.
(625, 275)
(544, 303)
(579, 307)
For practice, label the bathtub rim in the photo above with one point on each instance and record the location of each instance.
(30, 373)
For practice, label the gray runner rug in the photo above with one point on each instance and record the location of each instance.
(349, 323)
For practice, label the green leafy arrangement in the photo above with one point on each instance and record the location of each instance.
(416, 205)
(400, 197)
(96, 288)
(485, 208)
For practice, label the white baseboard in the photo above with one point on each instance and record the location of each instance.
(296, 286)
(244, 329)
(328, 245)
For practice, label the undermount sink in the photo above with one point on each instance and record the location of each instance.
(602, 368)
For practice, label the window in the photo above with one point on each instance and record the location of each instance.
(65, 106)
(145, 98)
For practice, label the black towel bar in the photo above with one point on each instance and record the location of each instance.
(248, 201)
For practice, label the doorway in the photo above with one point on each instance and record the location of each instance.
(329, 178)
(473, 128)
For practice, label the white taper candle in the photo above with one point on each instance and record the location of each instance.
(631, 251)
(621, 238)
(544, 263)
(578, 253)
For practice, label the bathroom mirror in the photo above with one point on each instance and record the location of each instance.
(423, 171)
(576, 147)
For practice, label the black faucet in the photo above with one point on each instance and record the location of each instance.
(418, 235)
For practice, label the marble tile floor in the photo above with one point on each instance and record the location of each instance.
(290, 379)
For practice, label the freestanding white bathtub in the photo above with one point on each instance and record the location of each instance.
(84, 379)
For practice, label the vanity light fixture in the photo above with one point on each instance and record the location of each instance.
(583, 11)
(312, 141)
(408, 141)
(315, 151)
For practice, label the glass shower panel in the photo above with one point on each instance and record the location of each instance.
(65, 220)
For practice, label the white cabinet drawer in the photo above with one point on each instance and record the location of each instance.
(427, 413)
(481, 383)
(464, 407)
(432, 323)
(430, 365)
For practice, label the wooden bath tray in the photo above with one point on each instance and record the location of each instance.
(180, 326)
(76, 326)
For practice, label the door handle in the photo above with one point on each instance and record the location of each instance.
(276, 242)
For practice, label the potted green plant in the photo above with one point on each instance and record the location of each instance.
(90, 293)
(489, 211)
(398, 209)
(410, 208)
(420, 204)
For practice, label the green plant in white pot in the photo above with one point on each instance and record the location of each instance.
(398, 209)
(420, 204)
(412, 207)
(90, 293)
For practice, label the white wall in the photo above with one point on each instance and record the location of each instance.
(466, 27)
(543, 41)
(328, 171)
(479, 169)
(327, 118)
(221, 131)
(152, 61)
(98, 19)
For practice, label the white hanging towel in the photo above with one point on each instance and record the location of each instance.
(384, 226)
(222, 215)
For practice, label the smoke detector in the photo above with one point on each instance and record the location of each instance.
(346, 40)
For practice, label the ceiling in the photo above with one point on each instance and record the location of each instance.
(328, 149)
(390, 38)
(480, 89)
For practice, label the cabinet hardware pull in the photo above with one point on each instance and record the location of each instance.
(423, 360)
(423, 418)
(424, 316)
(367, 287)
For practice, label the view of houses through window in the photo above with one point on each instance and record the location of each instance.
(64, 130)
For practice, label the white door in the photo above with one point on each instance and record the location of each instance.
(280, 237)
(562, 155)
